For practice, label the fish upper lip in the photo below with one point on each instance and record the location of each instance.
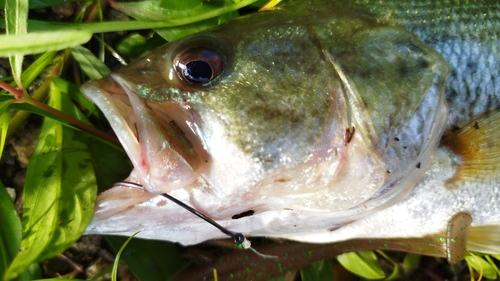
(109, 96)
(151, 142)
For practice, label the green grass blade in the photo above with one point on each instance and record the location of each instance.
(363, 263)
(37, 67)
(36, 26)
(59, 193)
(16, 20)
(4, 124)
(90, 64)
(113, 26)
(39, 42)
(157, 261)
(114, 272)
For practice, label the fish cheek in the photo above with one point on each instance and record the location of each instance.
(270, 101)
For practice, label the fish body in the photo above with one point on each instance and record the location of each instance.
(320, 120)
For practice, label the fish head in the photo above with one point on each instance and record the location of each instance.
(329, 117)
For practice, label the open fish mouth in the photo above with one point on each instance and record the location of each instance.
(160, 139)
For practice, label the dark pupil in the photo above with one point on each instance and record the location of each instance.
(198, 71)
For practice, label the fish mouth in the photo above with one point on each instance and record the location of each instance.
(161, 139)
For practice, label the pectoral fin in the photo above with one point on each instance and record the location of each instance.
(478, 146)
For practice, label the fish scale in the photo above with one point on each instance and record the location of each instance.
(466, 34)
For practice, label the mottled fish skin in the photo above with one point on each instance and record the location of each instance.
(466, 33)
(276, 127)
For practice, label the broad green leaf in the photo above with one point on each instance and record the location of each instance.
(10, 230)
(16, 17)
(90, 64)
(411, 261)
(481, 265)
(6, 97)
(363, 263)
(178, 7)
(135, 44)
(149, 259)
(173, 33)
(33, 109)
(492, 263)
(59, 193)
(318, 271)
(190, 11)
(74, 92)
(10, 238)
(39, 42)
(166, 10)
(395, 271)
(111, 163)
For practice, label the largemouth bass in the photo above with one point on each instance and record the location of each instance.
(318, 121)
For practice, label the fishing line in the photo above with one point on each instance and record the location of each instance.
(239, 239)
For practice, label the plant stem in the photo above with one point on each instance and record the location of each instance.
(18, 94)
(72, 121)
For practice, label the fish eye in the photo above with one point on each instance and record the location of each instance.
(198, 66)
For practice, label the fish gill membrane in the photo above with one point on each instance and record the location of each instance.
(325, 124)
